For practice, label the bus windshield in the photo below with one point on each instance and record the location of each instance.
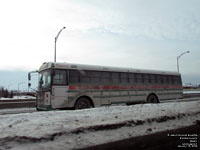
(44, 79)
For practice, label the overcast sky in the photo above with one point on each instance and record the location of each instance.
(147, 34)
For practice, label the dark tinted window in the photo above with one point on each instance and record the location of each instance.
(105, 77)
(171, 79)
(115, 77)
(160, 79)
(177, 80)
(74, 73)
(138, 78)
(124, 77)
(131, 78)
(84, 79)
(95, 76)
(85, 76)
(142, 78)
(167, 79)
(146, 78)
(152, 77)
(74, 76)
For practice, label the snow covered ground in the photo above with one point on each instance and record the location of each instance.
(81, 128)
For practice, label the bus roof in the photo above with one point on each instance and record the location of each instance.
(57, 65)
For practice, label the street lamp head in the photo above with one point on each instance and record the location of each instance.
(188, 51)
(64, 27)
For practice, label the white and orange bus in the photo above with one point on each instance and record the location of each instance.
(78, 86)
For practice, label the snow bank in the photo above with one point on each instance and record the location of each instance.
(80, 128)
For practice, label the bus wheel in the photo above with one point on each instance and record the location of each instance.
(82, 103)
(152, 99)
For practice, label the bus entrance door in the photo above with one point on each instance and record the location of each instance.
(59, 96)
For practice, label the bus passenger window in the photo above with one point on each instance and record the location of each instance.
(84, 79)
(60, 77)
(95, 76)
(131, 78)
(74, 76)
(105, 77)
(124, 77)
(138, 78)
(115, 77)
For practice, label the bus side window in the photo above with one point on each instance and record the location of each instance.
(161, 79)
(95, 76)
(147, 78)
(115, 77)
(142, 78)
(164, 78)
(123, 77)
(74, 76)
(131, 78)
(172, 80)
(156, 78)
(138, 78)
(177, 80)
(60, 77)
(105, 77)
(167, 79)
(152, 78)
(84, 76)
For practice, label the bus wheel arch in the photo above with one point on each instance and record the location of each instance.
(152, 98)
(83, 102)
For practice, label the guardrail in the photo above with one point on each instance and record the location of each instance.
(18, 103)
(189, 95)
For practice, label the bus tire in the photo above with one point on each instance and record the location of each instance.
(152, 99)
(82, 103)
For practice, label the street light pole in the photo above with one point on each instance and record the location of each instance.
(178, 57)
(56, 38)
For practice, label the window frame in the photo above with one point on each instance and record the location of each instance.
(65, 77)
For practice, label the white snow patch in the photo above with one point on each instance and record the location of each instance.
(45, 124)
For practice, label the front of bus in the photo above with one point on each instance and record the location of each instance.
(44, 87)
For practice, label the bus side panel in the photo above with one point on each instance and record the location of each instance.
(96, 98)
(115, 96)
(120, 96)
(105, 97)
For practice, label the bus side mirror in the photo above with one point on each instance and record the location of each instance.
(29, 76)
(41, 82)
(29, 84)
